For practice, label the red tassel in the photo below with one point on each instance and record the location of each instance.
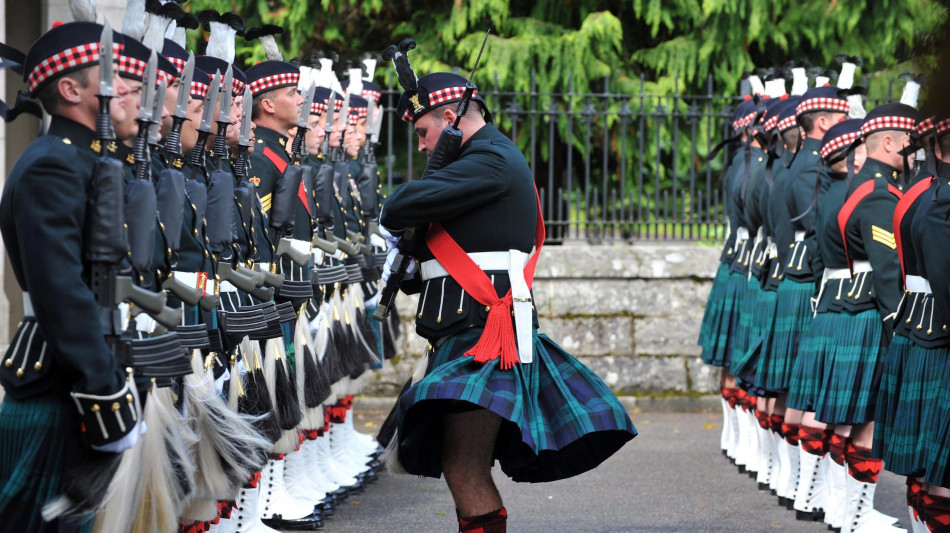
(498, 338)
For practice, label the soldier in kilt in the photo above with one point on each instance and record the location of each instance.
(719, 338)
(902, 401)
(852, 369)
(490, 386)
(918, 399)
(67, 401)
(794, 215)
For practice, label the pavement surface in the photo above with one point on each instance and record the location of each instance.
(671, 478)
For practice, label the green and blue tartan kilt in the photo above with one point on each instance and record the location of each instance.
(852, 373)
(746, 365)
(935, 440)
(559, 418)
(714, 305)
(722, 333)
(907, 405)
(743, 333)
(40, 439)
(805, 380)
(793, 317)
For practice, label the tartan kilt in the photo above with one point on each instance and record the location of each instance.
(806, 377)
(714, 305)
(40, 439)
(559, 418)
(793, 317)
(936, 422)
(852, 375)
(907, 403)
(720, 352)
(743, 333)
(747, 364)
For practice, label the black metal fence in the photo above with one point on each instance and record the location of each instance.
(609, 167)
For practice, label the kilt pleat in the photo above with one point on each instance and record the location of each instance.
(852, 373)
(723, 332)
(40, 437)
(559, 418)
(746, 366)
(805, 379)
(934, 443)
(713, 311)
(793, 317)
(744, 325)
(907, 405)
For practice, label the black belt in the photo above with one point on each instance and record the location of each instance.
(193, 337)
(286, 313)
(162, 356)
(328, 275)
(296, 290)
(354, 273)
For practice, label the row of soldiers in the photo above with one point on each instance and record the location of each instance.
(829, 311)
(199, 259)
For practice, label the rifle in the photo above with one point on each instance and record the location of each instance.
(106, 236)
(283, 212)
(221, 230)
(446, 151)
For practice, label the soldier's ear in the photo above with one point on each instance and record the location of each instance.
(70, 90)
(267, 105)
(448, 114)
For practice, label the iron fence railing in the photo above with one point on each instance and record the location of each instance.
(610, 167)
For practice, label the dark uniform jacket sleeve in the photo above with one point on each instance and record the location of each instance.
(49, 200)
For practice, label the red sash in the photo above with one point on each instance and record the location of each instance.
(281, 165)
(848, 209)
(498, 337)
(903, 205)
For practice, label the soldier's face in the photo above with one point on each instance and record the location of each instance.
(428, 129)
(287, 106)
(118, 107)
(336, 134)
(189, 130)
(127, 128)
(315, 134)
(352, 141)
(171, 98)
(234, 130)
(361, 131)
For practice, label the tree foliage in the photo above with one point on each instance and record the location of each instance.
(667, 40)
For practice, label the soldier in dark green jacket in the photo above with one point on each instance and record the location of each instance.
(65, 390)
(468, 411)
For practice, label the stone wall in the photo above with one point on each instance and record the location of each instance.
(629, 312)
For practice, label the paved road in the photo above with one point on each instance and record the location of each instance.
(671, 478)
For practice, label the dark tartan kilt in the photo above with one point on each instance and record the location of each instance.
(723, 332)
(714, 305)
(40, 440)
(559, 418)
(806, 377)
(743, 332)
(746, 365)
(907, 405)
(935, 440)
(852, 375)
(793, 317)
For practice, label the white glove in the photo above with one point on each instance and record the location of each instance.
(390, 239)
(388, 267)
(125, 443)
